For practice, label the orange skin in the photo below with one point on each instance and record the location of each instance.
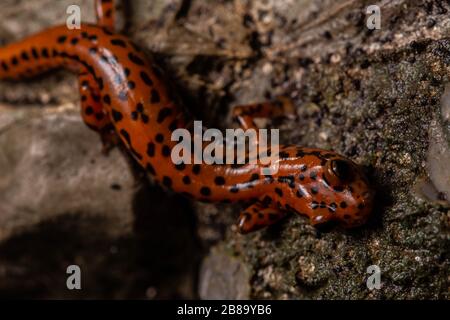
(123, 94)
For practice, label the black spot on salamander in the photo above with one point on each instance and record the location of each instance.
(107, 99)
(135, 59)
(165, 150)
(159, 137)
(154, 96)
(93, 38)
(151, 149)
(314, 190)
(61, 39)
(35, 53)
(24, 56)
(117, 116)
(5, 66)
(14, 61)
(343, 205)
(196, 169)
(95, 97)
(186, 180)
(118, 42)
(131, 85)
(89, 111)
(205, 191)
(146, 78)
(144, 118)
(219, 180)
(74, 41)
(313, 175)
(279, 192)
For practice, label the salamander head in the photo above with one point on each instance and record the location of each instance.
(327, 187)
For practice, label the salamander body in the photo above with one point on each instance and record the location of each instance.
(124, 93)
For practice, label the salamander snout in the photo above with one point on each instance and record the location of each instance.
(347, 191)
(332, 188)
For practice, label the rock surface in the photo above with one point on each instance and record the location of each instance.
(370, 95)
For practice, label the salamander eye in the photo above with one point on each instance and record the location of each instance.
(340, 171)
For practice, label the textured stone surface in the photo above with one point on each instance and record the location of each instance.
(69, 174)
(224, 277)
(370, 95)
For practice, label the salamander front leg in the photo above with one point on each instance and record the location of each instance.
(245, 114)
(257, 217)
(92, 112)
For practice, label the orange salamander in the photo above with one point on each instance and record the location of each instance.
(124, 94)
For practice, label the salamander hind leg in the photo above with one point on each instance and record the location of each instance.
(257, 217)
(244, 115)
(93, 113)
